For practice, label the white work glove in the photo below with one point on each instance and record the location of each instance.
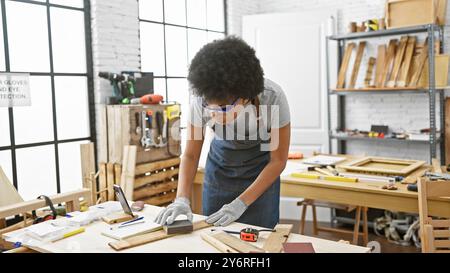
(181, 206)
(228, 213)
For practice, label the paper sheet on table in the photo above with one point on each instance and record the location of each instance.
(323, 160)
(294, 167)
(130, 231)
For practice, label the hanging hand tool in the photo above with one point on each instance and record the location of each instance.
(137, 117)
(146, 141)
(161, 126)
(249, 234)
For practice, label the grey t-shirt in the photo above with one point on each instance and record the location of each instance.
(274, 111)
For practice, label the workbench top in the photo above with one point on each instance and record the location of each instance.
(91, 241)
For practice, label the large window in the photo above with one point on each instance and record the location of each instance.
(171, 33)
(39, 144)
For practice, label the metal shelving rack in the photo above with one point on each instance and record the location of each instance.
(435, 138)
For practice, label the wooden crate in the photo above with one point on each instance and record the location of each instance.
(156, 183)
(119, 130)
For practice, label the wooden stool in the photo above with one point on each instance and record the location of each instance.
(316, 228)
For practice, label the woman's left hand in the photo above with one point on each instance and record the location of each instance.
(228, 213)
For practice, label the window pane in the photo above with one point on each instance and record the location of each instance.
(72, 107)
(175, 11)
(178, 91)
(176, 48)
(215, 36)
(5, 164)
(215, 15)
(35, 123)
(197, 39)
(68, 40)
(70, 166)
(4, 127)
(2, 45)
(72, 3)
(152, 48)
(196, 13)
(28, 37)
(160, 87)
(36, 173)
(151, 10)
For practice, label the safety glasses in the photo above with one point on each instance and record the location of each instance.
(219, 108)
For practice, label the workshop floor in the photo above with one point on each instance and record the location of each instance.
(386, 247)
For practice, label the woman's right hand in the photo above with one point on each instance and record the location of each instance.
(181, 206)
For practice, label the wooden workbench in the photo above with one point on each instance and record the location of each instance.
(367, 194)
(91, 241)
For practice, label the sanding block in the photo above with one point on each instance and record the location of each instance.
(179, 227)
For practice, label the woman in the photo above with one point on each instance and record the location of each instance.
(251, 120)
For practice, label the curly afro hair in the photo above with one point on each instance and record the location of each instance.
(226, 69)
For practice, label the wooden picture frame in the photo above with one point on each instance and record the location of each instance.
(383, 166)
(407, 13)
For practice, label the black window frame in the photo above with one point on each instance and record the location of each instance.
(86, 9)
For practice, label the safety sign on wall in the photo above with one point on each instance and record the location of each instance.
(15, 89)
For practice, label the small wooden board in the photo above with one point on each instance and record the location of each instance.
(236, 243)
(389, 60)
(406, 66)
(370, 66)
(381, 59)
(398, 61)
(344, 65)
(383, 166)
(356, 66)
(274, 243)
(419, 65)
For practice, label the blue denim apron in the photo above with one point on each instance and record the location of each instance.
(232, 166)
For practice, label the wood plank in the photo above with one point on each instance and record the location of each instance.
(436, 164)
(102, 143)
(370, 66)
(8, 193)
(161, 176)
(398, 61)
(103, 184)
(441, 11)
(154, 189)
(440, 223)
(438, 189)
(110, 180)
(217, 244)
(274, 243)
(344, 66)
(357, 65)
(389, 61)
(236, 243)
(160, 199)
(87, 163)
(442, 243)
(441, 233)
(418, 68)
(407, 63)
(128, 171)
(155, 166)
(381, 63)
(117, 174)
(150, 237)
(447, 131)
(18, 208)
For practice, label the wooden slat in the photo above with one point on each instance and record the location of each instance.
(274, 243)
(154, 189)
(150, 237)
(370, 66)
(389, 60)
(117, 174)
(161, 176)
(235, 243)
(441, 10)
(441, 233)
(110, 180)
(438, 189)
(160, 199)
(155, 166)
(442, 243)
(398, 61)
(103, 184)
(128, 171)
(418, 67)
(437, 168)
(217, 244)
(381, 59)
(87, 163)
(344, 66)
(356, 66)
(18, 208)
(406, 66)
(440, 223)
(8, 194)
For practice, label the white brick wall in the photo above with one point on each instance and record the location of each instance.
(397, 111)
